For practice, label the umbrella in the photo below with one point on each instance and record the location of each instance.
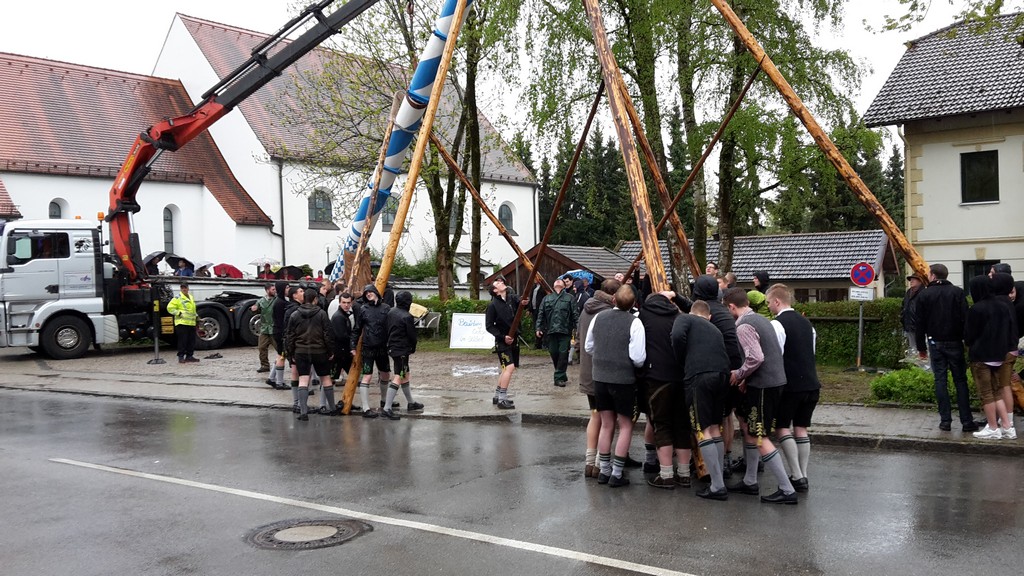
(264, 260)
(580, 274)
(200, 264)
(289, 273)
(173, 259)
(227, 271)
(153, 255)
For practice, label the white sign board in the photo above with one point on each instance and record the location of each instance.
(467, 331)
(862, 294)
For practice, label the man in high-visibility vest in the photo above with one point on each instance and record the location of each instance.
(183, 308)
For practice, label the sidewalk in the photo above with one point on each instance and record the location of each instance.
(838, 425)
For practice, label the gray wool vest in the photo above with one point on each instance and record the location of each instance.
(772, 372)
(611, 347)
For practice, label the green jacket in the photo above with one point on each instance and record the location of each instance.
(558, 314)
(266, 309)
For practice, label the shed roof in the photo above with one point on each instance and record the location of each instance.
(8, 210)
(952, 71)
(226, 47)
(788, 257)
(74, 120)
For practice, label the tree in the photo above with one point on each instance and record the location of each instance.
(981, 12)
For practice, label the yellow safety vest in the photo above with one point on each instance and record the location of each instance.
(183, 308)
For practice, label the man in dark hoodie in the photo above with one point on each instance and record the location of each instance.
(277, 311)
(401, 328)
(498, 318)
(309, 340)
(941, 312)
(991, 334)
(343, 321)
(371, 324)
(706, 289)
(601, 301)
(667, 420)
(1002, 288)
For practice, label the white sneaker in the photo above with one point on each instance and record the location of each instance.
(989, 433)
(1009, 433)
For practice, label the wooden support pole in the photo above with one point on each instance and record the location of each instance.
(416, 164)
(638, 188)
(659, 183)
(860, 190)
(700, 163)
(454, 167)
(569, 173)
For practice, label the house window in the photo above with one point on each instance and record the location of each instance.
(506, 219)
(979, 177)
(168, 230)
(974, 268)
(387, 214)
(320, 213)
(55, 211)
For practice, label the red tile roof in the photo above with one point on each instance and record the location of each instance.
(68, 119)
(7, 208)
(226, 47)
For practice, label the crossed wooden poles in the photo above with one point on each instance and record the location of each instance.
(625, 117)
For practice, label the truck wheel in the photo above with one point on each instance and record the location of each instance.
(212, 329)
(66, 337)
(249, 329)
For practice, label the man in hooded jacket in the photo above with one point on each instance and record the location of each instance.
(371, 324)
(309, 340)
(401, 328)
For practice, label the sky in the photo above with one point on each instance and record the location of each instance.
(128, 35)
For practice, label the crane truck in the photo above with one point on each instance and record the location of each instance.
(61, 292)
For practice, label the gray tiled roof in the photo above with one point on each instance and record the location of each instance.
(787, 257)
(597, 259)
(944, 74)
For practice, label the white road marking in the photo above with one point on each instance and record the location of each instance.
(436, 529)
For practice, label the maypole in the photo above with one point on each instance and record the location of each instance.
(407, 122)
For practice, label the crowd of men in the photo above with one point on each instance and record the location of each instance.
(315, 329)
(689, 365)
(938, 324)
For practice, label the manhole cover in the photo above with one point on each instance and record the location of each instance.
(306, 534)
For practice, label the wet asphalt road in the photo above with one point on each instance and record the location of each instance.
(868, 512)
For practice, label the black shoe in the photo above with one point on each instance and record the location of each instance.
(617, 481)
(324, 411)
(560, 383)
(683, 481)
(710, 494)
(659, 482)
(282, 387)
(371, 413)
(394, 405)
(651, 468)
(742, 487)
(506, 404)
(800, 485)
(602, 478)
(303, 417)
(261, 369)
(779, 497)
(414, 407)
(272, 383)
(945, 426)
(494, 400)
(295, 410)
(390, 415)
(726, 473)
(630, 463)
(971, 427)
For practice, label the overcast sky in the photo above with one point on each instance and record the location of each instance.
(128, 35)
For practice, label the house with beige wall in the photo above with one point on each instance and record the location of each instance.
(956, 97)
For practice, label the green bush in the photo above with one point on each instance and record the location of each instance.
(836, 325)
(913, 385)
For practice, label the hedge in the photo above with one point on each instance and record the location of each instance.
(835, 322)
(836, 325)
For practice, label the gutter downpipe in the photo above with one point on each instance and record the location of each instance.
(280, 198)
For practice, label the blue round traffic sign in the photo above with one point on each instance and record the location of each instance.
(862, 274)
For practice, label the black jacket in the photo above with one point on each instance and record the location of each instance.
(657, 316)
(342, 324)
(308, 332)
(1018, 307)
(280, 305)
(371, 321)
(698, 347)
(990, 332)
(941, 312)
(908, 313)
(401, 327)
(499, 316)
(706, 289)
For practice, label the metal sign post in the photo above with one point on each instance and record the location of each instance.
(861, 294)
